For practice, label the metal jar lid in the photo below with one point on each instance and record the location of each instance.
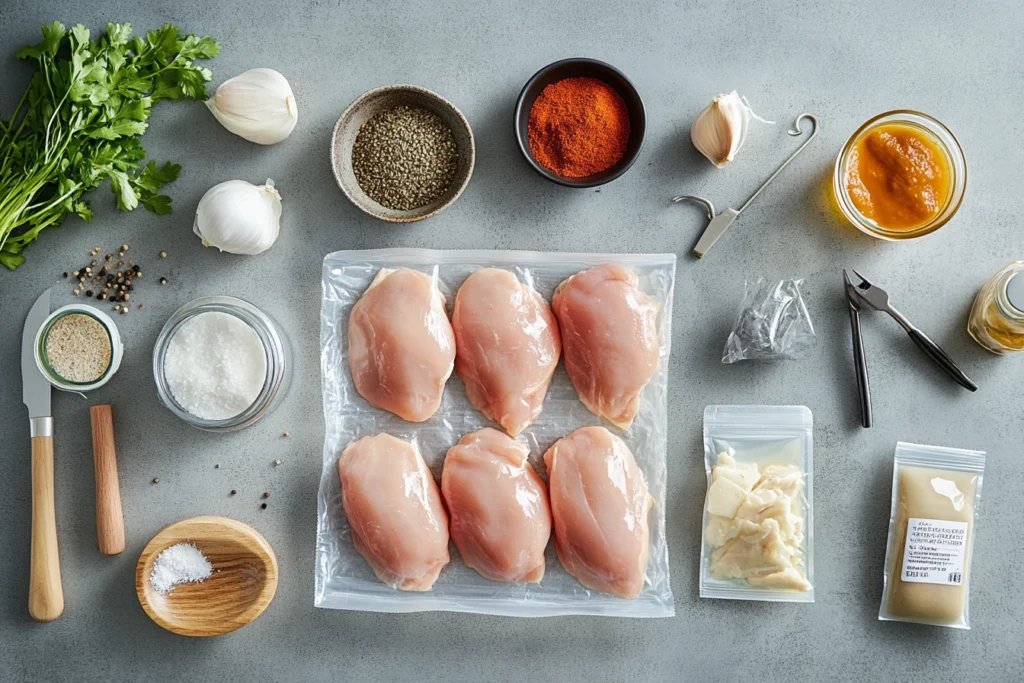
(1015, 291)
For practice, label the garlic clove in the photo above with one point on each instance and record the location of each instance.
(257, 105)
(719, 131)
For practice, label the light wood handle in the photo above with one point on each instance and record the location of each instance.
(109, 518)
(45, 595)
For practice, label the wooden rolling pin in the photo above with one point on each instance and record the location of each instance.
(109, 518)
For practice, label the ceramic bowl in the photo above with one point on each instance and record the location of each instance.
(587, 68)
(371, 103)
(243, 583)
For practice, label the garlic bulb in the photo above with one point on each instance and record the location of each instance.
(239, 217)
(718, 132)
(257, 105)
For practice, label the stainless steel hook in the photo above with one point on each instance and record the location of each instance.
(721, 221)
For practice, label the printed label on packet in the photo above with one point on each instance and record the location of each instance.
(934, 551)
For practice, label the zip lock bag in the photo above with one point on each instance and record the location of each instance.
(935, 496)
(757, 541)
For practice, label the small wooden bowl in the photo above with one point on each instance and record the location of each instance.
(366, 107)
(243, 583)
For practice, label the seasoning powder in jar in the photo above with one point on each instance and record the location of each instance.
(404, 158)
(78, 348)
(215, 365)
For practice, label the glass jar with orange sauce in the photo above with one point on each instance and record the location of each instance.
(997, 318)
(900, 175)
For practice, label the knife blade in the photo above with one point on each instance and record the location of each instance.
(35, 388)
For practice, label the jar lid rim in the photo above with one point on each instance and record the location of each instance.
(1015, 291)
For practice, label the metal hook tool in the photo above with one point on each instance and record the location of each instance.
(721, 221)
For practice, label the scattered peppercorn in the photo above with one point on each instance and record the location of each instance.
(233, 491)
(276, 463)
(117, 307)
(266, 494)
(65, 275)
(75, 292)
(163, 281)
(88, 292)
(163, 254)
(156, 480)
(216, 467)
(124, 247)
(285, 434)
(263, 507)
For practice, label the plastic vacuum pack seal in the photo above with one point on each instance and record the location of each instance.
(768, 436)
(343, 578)
(936, 494)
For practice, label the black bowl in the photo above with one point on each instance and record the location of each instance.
(589, 68)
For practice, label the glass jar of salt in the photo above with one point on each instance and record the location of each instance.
(220, 363)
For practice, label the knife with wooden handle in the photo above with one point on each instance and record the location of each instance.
(45, 595)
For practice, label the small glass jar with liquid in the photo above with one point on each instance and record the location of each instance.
(997, 318)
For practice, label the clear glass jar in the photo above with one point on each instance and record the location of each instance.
(997, 317)
(936, 132)
(278, 356)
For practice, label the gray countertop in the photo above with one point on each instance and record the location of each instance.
(845, 62)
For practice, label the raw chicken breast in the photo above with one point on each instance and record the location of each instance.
(507, 345)
(394, 508)
(500, 517)
(599, 503)
(401, 346)
(609, 338)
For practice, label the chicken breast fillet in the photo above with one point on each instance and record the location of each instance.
(401, 346)
(609, 338)
(394, 508)
(507, 345)
(500, 519)
(600, 505)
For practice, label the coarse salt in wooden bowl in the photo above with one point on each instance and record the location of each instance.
(243, 582)
(368, 105)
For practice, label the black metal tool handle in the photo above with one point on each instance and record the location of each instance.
(933, 351)
(861, 368)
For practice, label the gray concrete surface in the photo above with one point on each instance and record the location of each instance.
(843, 61)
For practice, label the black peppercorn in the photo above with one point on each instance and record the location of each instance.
(65, 274)
(88, 292)
(233, 492)
(263, 506)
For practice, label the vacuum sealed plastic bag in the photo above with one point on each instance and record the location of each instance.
(344, 578)
(757, 541)
(773, 324)
(935, 496)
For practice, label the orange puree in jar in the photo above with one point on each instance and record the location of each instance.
(898, 176)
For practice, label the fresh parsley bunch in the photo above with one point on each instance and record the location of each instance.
(80, 120)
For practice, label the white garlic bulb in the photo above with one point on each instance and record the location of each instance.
(239, 217)
(257, 105)
(718, 132)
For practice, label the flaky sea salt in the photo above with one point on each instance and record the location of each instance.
(180, 563)
(215, 365)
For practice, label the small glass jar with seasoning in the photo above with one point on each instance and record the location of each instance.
(221, 363)
(78, 348)
(997, 318)
(901, 175)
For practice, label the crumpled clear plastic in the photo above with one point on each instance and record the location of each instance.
(343, 578)
(773, 324)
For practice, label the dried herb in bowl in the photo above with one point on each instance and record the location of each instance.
(404, 157)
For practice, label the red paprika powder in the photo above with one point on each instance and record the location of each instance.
(578, 127)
